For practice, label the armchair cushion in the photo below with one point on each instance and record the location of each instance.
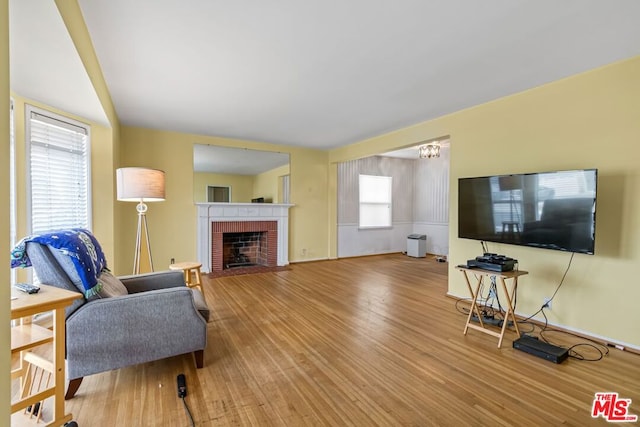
(150, 281)
(111, 286)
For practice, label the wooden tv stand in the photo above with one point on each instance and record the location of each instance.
(510, 293)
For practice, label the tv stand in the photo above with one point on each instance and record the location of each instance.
(510, 293)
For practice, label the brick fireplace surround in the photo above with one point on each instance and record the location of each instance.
(219, 228)
(238, 217)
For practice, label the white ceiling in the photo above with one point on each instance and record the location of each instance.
(317, 73)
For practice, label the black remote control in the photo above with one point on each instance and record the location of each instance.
(26, 287)
(182, 386)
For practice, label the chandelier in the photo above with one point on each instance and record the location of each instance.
(430, 150)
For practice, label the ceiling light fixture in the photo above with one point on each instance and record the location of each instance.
(430, 150)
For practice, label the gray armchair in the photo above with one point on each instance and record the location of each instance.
(152, 317)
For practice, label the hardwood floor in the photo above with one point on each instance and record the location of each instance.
(355, 342)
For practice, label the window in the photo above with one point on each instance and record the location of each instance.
(58, 174)
(375, 201)
(218, 194)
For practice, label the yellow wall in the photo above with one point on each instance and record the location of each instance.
(267, 183)
(5, 240)
(172, 223)
(241, 186)
(588, 120)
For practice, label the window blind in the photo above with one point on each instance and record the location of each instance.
(58, 173)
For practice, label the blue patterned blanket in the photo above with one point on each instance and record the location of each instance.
(78, 244)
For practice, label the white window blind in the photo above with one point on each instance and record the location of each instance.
(375, 201)
(58, 172)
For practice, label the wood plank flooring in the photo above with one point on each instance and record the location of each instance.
(368, 341)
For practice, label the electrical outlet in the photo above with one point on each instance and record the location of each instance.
(173, 261)
(303, 252)
(547, 303)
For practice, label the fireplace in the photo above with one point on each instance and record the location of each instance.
(243, 243)
(215, 220)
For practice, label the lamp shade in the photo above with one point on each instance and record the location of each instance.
(140, 184)
(510, 182)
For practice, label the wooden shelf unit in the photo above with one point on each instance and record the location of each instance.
(25, 336)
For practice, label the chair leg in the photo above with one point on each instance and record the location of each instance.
(74, 384)
(199, 355)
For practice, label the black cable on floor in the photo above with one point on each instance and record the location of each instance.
(186, 408)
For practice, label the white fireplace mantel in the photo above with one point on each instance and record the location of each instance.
(213, 212)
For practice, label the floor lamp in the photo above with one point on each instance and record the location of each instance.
(140, 185)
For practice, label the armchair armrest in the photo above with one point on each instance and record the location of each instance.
(111, 333)
(151, 281)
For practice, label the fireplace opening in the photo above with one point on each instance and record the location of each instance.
(243, 244)
(244, 249)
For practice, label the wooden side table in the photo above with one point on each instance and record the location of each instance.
(475, 294)
(26, 336)
(190, 268)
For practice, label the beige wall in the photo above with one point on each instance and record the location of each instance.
(589, 120)
(172, 223)
(5, 240)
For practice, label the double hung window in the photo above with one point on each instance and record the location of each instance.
(375, 201)
(58, 172)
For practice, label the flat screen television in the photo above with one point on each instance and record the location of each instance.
(551, 210)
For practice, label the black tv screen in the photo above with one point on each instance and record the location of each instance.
(551, 210)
